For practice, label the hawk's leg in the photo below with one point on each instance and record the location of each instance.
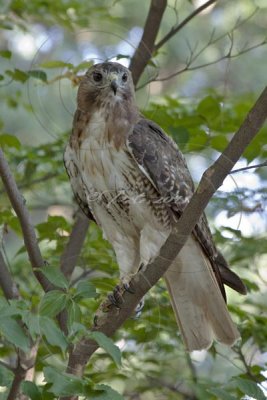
(151, 240)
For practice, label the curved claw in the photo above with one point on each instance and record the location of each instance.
(128, 288)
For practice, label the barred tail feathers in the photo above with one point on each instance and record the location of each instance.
(198, 304)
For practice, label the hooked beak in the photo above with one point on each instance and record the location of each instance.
(114, 86)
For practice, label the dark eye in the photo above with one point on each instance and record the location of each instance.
(124, 77)
(97, 76)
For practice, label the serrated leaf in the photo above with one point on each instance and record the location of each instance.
(38, 74)
(13, 332)
(55, 276)
(52, 303)
(56, 64)
(9, 141)
(107, 344)
(109, 393)
(249, 388)
(221, 394)
(85, 289)
(52, 333)
(5, 54)
(31, 390)
(63, 384)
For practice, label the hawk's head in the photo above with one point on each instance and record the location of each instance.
(104, 83)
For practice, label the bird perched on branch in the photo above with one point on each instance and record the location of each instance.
(131, 178)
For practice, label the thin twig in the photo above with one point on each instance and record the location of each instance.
(42, 179)
(211, 180)
(238, 351)
(176, 29)
(191, 59)
(264, 164)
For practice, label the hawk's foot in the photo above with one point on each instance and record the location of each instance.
(115, 297)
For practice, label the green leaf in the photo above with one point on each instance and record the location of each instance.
(31, 389)
(13, 332)
(219, 142)
(221, 394)
(32, 322)
(85, 289)
(209, 108)
(52, 333)
(74, 314)
(109, 393)
(8, 310)
(6, 376)
(181, 135)
(107, 344)
(38, 74)
(82, 66)
(56, 64)
(9, 141)
(249, 388)
(52, 303)
(5, 54)
(55, 276)
(18, 75)
(63, 384)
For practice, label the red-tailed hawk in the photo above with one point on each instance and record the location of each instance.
(131, 178)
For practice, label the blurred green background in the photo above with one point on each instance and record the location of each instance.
(198, 87)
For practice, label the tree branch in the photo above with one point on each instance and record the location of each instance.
(6, 282)
(146, 46)
(70, 255)
(73, 248)
(29, 236)
(176, 29)
(264, 164)
(211, 180)
(23, 371)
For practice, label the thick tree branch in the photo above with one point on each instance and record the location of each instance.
(177, 28)
(145, 48)
(211, 180)
(29, 236)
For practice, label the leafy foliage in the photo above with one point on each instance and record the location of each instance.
(146, 358)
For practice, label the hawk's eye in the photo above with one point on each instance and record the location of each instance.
(97, 76)
(124, 77)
